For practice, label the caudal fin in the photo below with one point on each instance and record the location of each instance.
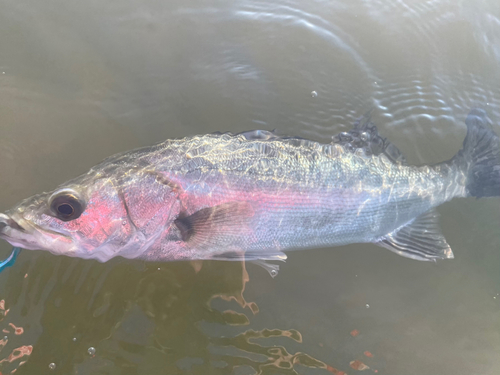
(479, 157)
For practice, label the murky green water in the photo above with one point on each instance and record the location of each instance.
(81, 80)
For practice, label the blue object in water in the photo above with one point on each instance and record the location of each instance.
(11, 259)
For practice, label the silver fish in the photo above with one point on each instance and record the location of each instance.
(254, 195)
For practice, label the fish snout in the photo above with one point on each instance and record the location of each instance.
(4, 221)
(7, 222)
(16, 234)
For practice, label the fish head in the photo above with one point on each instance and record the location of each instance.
(85, 218)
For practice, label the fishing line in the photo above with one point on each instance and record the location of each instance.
(11, 259)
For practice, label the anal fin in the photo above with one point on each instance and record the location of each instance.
(420, 239)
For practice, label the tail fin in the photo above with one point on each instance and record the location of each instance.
(480, 156)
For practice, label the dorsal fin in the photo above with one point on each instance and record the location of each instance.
(364, 135)
(263, 135)
(266, 135)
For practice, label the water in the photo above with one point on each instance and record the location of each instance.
(83, 80)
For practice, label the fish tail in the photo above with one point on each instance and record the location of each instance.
(479, 157)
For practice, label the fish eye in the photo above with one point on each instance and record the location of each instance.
(65, 209)
(66, 205)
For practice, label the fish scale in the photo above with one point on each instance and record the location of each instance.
(256, 194)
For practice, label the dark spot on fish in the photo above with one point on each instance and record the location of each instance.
(185, 226)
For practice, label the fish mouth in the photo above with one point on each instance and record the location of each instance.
(25, 234)
(15, 233)
(8, 222)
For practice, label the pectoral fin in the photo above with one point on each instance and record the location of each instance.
(217, 226)
(217, 229)
(420, 239)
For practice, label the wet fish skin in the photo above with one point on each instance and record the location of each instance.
(218, 196)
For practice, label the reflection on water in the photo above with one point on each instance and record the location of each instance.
(18, 356)
(129, 317)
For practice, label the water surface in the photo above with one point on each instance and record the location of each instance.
(81, 80)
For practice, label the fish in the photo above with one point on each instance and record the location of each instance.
(255, 195)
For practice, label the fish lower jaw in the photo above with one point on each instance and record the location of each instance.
(19, 240)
